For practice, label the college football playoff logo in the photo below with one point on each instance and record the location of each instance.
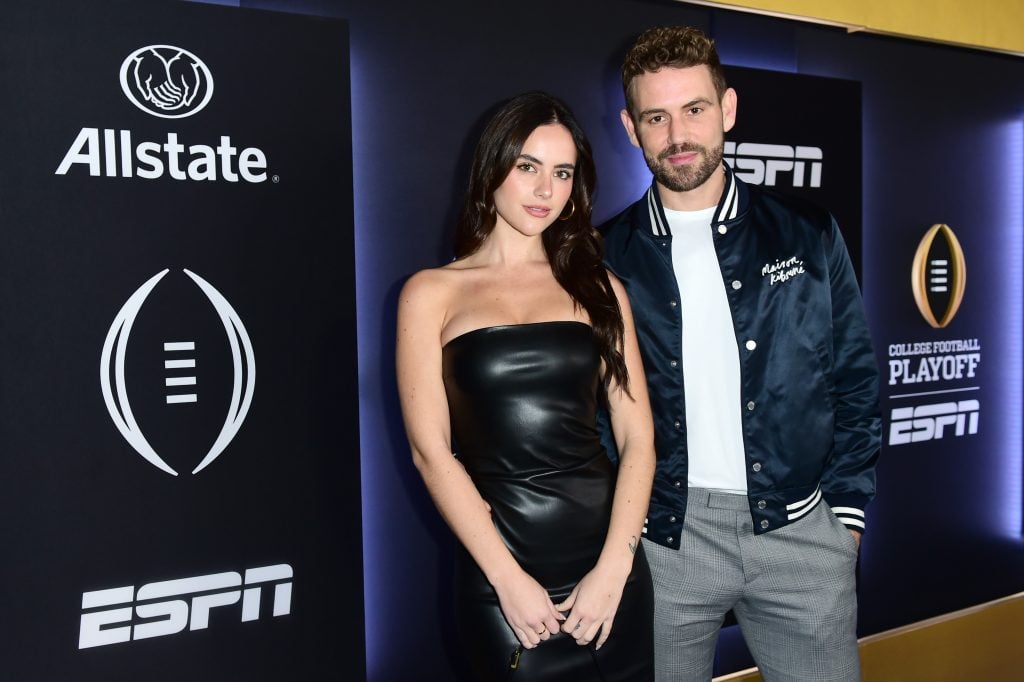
(938, 276)
(166, 81)
(178, 330)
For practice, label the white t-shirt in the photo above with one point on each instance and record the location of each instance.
(711, 363)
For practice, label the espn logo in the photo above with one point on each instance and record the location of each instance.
(932, 422)
(167, 607)
(760, 164)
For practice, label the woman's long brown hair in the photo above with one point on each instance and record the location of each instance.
(572, 245)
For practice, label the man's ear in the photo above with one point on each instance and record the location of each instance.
(728, 109)
(627, 123)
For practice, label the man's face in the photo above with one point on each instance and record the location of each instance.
(680, 125)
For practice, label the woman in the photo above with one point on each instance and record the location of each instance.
(506, 353)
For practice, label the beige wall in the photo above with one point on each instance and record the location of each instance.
(988, 24)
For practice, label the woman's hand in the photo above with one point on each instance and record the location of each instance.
(592, 605)
(528, 609)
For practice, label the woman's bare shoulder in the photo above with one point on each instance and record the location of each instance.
(432, 288)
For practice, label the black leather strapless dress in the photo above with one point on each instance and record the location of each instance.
(523, 403)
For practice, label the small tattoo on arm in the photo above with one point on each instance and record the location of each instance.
(632, 545)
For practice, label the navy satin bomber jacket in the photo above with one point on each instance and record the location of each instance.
(809, 379)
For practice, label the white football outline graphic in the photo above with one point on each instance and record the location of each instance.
(120, 409)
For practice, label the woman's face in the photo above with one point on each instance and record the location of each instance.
(540, 182)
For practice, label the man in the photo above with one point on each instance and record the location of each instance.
(763, 383)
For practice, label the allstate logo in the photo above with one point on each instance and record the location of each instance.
(166, 81)
(938, 276)
(191, 370)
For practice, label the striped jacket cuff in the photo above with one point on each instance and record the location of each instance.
(848, 508)
(851, 517)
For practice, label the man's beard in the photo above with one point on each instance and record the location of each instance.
(690, 176)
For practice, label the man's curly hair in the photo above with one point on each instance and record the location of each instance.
(670, 46)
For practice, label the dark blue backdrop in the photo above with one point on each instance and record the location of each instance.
(162, 308)
(943, 141)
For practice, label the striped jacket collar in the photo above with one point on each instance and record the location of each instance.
(732, 204)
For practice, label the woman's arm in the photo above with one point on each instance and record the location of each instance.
(596, 597)
(421, 314)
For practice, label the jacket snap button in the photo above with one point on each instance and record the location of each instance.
(764, 524)
(756, 467)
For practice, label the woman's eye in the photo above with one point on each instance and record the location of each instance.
(563, 175)
(528, 167)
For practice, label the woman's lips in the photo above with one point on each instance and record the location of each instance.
(538, 211)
